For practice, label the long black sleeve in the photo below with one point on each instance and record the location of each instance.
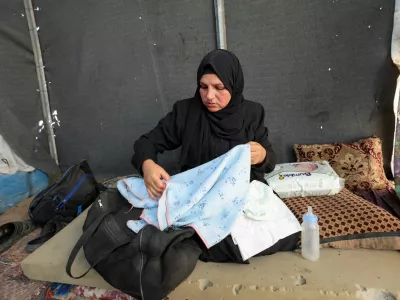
(261, 136)
(165, 136)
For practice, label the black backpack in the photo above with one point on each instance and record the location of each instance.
(68, 197)
(147, 265)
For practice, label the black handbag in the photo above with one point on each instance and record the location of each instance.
(68, 197)
(147, 265)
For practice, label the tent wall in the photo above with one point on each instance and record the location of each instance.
(20, 110)
(322, 70)
(117, 69)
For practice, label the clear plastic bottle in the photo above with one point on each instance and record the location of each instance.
(310, 236)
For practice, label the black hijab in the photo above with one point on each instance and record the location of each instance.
(226, 124)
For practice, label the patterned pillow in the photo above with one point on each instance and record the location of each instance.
(347, 221)
(360, 163)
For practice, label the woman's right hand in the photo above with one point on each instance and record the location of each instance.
(153, 175)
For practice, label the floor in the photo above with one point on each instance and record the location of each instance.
(16, 213)
(339, 274)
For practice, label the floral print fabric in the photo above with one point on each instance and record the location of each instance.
(207, 198)
(360, 163)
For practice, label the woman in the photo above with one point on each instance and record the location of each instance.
(208, 125)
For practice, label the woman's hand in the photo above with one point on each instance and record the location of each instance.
(153, 175)
(258, 153)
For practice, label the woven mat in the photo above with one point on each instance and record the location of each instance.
(57, 291)
(14, 285)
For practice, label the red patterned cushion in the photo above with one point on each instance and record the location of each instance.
(360, 163)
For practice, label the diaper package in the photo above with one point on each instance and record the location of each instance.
(304, 179)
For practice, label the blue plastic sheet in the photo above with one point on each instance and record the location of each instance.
(20, 186)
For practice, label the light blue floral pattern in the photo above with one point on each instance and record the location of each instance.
(207, 198)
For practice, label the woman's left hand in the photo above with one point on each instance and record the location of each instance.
(258, 153)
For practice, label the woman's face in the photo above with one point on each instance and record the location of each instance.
(213, 93)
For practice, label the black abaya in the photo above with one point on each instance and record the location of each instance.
(205, 135)
(170, 132)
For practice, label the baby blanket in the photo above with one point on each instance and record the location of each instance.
(208, 198)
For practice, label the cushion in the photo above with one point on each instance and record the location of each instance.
(347, 221)
(360, 163)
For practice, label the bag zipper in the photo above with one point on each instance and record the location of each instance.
(76, 187)
(100, 204)
(57, 182)
(54, 185)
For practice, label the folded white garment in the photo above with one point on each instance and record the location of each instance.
(275, 221)
(11, 163)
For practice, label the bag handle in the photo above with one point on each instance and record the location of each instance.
(82, 241)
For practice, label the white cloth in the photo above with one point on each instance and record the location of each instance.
(278, 221)
(10, 163)
(257, 206)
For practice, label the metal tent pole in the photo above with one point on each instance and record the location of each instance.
(219, 10)
(44, 97)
